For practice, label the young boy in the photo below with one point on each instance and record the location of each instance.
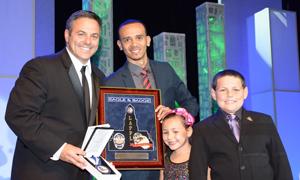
(235, 143)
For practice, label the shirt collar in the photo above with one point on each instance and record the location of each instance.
(78, 65)
(238, 113)
(136, 70)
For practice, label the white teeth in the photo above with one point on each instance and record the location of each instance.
(85, 48)
(135, 50)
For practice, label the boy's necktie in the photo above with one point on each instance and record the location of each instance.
(234, 126)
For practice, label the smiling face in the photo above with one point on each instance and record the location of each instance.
(175, 134)
(229, 93)
(133, 40)
(83, 38)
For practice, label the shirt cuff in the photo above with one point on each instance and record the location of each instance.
(56, 156)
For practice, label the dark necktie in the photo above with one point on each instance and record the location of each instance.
(146, 81)
(86, 94)
(234, 126)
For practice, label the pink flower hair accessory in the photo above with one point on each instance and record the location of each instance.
(189, 119)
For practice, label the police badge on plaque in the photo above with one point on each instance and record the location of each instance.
(136, 142)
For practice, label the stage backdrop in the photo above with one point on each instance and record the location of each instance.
(28, 32)
(29, 24)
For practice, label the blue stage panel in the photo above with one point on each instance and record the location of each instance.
(8, 138)
(288, 125)
(263, 102)
(284, 50)
(17, 42)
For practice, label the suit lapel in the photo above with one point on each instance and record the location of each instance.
(78, 88)
(75, 82)
(246, 121)
(155, 71)
(95, 100)
(220, 123)
(74, 79)
(126, 76)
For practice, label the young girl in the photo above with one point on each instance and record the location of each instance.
(177, 128)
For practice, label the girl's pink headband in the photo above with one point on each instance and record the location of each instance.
(189, 119)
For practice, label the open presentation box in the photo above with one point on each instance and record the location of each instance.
(93, 144)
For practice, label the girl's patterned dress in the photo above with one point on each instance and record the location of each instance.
(176, 171)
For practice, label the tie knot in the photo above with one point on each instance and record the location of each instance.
(231, 117)
(83, 69)
(144, 71)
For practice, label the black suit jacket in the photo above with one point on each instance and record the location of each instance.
(259, 155)
(44, 111)
(171, 87)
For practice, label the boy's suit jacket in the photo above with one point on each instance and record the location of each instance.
(259, 155)
(45, 111)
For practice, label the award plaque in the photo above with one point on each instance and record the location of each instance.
(137, 140)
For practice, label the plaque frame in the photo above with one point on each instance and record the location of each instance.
(137, 140)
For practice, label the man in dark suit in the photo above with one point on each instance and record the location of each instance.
(133, 41)
(46, 108)
(235, 143)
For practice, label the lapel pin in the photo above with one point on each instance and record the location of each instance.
(249, 118)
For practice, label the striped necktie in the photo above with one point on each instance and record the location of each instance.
(145, 79)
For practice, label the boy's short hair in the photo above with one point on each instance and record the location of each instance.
(227, 72)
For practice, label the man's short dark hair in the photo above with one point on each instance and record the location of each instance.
(131, 21)
(227, 72)
(82, 14)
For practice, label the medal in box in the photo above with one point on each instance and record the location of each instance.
(94, 143)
